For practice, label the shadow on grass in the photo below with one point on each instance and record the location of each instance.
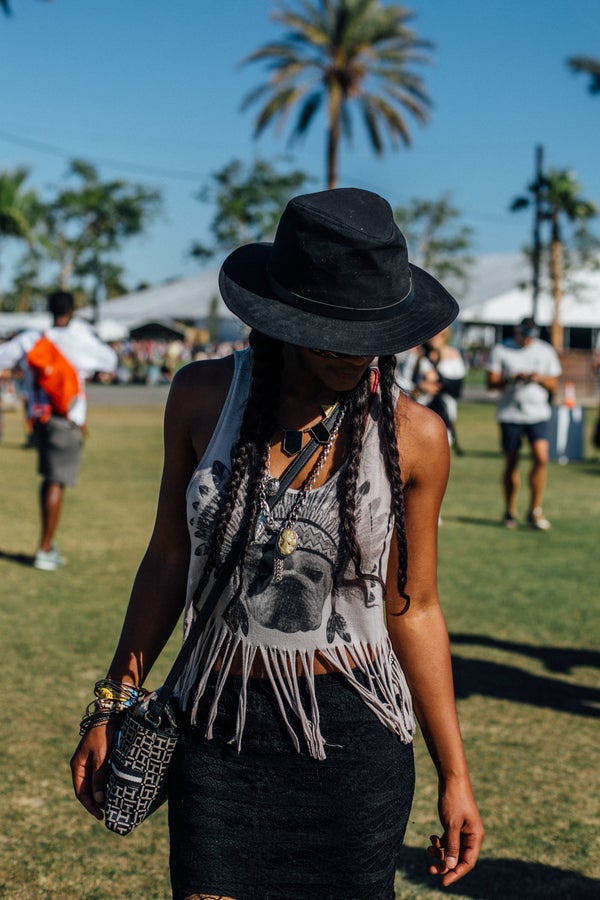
(588, 467)
(503, 879)
(556, 659)
(473, 520)
(504, 682)
(22, 559)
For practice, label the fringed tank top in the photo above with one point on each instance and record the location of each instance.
(318, 605)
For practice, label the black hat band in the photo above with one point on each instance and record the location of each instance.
(318, 308)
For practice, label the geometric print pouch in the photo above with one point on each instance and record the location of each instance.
(139, 764)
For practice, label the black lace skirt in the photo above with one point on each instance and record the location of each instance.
(273, 824)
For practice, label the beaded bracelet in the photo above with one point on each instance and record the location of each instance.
(118, 691)
(112, 699)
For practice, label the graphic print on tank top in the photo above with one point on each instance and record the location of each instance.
(297, 603)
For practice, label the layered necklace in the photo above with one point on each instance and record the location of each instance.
(287, 539)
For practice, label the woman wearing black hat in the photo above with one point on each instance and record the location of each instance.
(294, 773)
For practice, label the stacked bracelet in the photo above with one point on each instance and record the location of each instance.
(112, 700)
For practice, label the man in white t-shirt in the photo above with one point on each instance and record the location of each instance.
(58, 438)
(527, 375)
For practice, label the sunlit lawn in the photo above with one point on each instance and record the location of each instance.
(522, 609)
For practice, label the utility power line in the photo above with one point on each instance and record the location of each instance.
(136, 168)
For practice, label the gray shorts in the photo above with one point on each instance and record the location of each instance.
(59, 444)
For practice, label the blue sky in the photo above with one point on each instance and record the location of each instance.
(150, 91)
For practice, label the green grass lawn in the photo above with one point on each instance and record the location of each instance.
(522, 609)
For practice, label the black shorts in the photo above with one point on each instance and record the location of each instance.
(270, 823)
(512, 434)
(59, 444)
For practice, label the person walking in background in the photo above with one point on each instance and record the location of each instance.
(527, 377)
(58, 436)
(438, 377)
(293, 775)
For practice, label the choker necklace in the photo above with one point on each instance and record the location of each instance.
(287, 539)
(291, 443)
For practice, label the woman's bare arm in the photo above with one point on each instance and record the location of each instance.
(420, 639)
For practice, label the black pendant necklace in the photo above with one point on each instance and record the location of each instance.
(291, 443)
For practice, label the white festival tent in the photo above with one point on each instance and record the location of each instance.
(579, 306)
(187, 300)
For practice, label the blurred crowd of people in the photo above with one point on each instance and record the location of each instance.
(154, 361)
(139, 362)
(433, 374)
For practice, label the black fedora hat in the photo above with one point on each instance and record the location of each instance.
(336, 278)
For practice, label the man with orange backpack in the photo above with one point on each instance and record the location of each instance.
(57, 364)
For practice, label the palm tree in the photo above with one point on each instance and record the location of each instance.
(19, 209)
(559, 198)
(340, 52)
(589, 65)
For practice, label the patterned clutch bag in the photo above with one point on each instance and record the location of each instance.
(139, 766)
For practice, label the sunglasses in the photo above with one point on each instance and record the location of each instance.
(327, 354)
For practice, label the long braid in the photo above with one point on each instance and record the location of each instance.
(349, 488)
(250, 453)
(264, 395)
(391, 456)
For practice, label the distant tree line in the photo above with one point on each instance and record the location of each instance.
(71, 238)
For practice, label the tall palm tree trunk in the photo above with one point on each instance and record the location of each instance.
(333, 135)
(556, 274)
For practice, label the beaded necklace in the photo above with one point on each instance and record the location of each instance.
(287, 537)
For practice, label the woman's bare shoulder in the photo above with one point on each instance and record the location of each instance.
(421, 434)
(203, 383)
(197, 396)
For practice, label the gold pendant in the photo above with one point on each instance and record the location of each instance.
(287, 541)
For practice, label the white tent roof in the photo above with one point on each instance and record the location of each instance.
(492, 274)
(579, 308)
(186, 300)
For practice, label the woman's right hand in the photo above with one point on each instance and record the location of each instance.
(89, 767)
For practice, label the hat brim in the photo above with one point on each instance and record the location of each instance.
(245, 288)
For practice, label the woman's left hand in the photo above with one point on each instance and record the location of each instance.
(457, 850)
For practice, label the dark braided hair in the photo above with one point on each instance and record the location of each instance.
(349, 492)
(387, 368)
(250, 455)
(357, 418)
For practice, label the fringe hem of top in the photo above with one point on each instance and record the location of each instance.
(383, 685)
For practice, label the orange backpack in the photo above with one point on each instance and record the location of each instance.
(55, 375)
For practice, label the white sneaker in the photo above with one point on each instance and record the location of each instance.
(537, 520)
(49, 560)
